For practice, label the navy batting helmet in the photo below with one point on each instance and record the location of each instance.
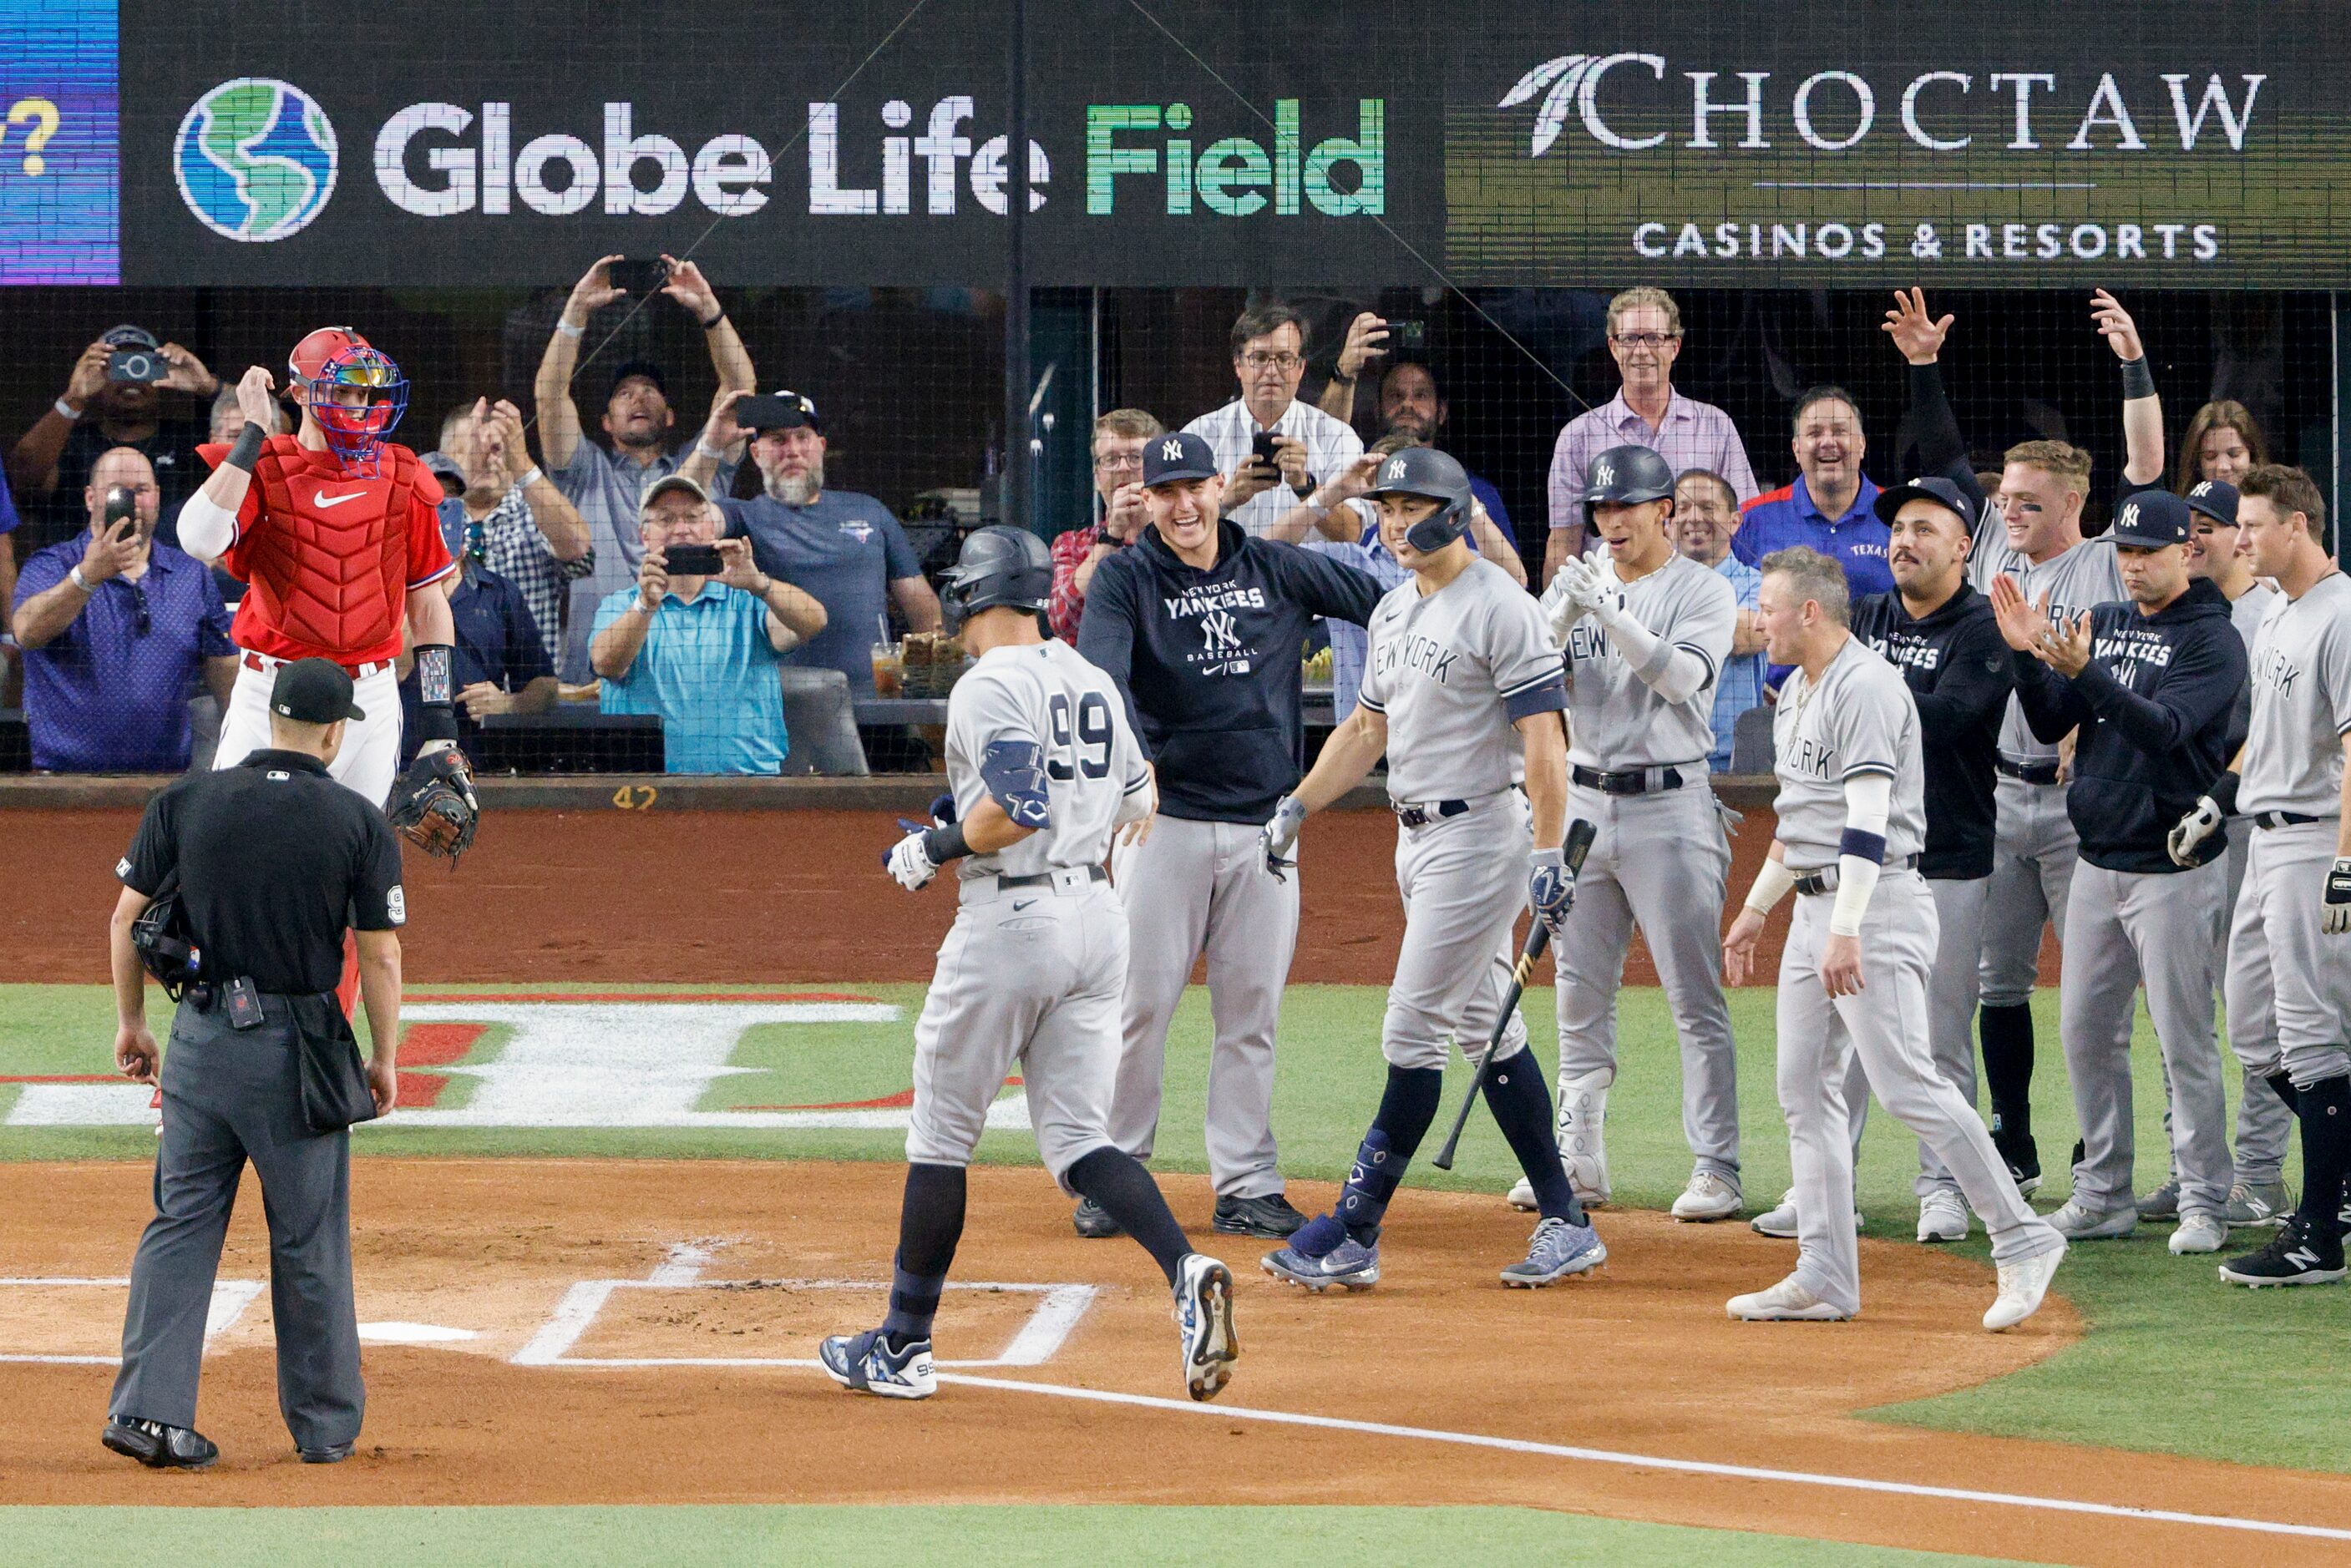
(1000, 565)
(1425, 472)
(1627, 476)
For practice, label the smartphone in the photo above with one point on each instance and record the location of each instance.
(639, 276)
(768, 411)
(1407, 337)
(694, 561)
(1262, 450)
(136, 365)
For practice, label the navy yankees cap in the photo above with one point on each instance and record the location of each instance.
(313, 691)
(1182, 455)
(1942, 492)
(2151, 519)
(2217, 499)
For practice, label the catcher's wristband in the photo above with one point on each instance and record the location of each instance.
(436, 717)
(247, 449)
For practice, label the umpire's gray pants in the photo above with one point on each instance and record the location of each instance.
(1659, 861)
(1885, 1026)
(2124, 928)
(231, 1096)
(2035, 850)
(1192, 888)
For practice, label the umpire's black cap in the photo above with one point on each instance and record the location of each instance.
(2151, 519)
(1181, 455)
(313, 691)
(1942, 492)
(2217, 499)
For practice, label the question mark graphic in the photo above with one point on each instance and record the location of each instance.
(45, 112)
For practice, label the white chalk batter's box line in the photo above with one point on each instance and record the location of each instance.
(230, 1298)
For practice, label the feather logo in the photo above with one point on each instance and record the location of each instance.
(1566, 76)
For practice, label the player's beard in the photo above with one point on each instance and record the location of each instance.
(795, 489)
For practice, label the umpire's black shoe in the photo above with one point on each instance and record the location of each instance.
(1093, 1222)
(2297, 1257)
(332, 1454)
(159, 1447)
(1271, 1217)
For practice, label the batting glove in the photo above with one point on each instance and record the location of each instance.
(1550, 887)
(2335, 909)
(1277, 837)
(2192, 831)
(909, 861)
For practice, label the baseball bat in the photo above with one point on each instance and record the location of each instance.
(1578, 844)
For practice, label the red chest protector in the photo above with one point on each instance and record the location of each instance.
(327, 556)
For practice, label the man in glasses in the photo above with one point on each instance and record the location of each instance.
(1120, 436)
(1644, 337)
(117, 627)
(1271, 448)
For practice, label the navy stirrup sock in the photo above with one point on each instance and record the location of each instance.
(2007, 1034)
(1520, 1101)
(1407, 1107)
(930, 1224)
(2324, 1108)
(1117, 1182)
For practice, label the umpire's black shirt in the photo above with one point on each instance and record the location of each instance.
(275, 860)
(1957, 670)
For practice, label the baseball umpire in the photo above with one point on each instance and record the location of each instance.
(266, 862)
(1202, 627)
(2152, 686)
(1645, 631)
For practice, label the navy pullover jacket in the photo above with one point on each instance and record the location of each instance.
(1209, 662)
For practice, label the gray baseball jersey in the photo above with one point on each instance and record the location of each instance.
(2247, 610)
(2074, 580)
(1453, 672)
(1859, 718)
(1046, 695)
(2302, 703)
(1620, 722)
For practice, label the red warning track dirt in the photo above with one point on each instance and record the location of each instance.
(1639, 1359)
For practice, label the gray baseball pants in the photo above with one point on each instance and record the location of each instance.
(1659, 861)
(2035, 850)
(1464, 881)
(2122, 929)
(1194, 888)
(2289, 983)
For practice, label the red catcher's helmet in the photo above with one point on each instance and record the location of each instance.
(338, 358)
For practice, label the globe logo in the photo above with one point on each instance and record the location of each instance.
(255, 160)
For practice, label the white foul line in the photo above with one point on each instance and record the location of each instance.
(1651, 1461)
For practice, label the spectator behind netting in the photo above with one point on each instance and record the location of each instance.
(2222, 441)
(1269, 343)
(846, 549)
(510, 515)
(51, 466)
(701, 652)
(1410, 404)
(119, 631)
(497, 662)
(1644, 337)
(608, 485)
(1119, 438)
(1831, 506)
(1706, 514)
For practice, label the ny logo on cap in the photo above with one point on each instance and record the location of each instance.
(2130, 515)
(1171, 450)
(1604, 472)
(2203, 487)
(1395, 468)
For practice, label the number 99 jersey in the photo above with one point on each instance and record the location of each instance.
(1042, 717)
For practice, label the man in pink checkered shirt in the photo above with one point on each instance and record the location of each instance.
(1119, 438)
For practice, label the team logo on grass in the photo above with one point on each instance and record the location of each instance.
(255, 160)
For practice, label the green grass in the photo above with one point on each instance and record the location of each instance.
(2174, 1362)
(971, 1537)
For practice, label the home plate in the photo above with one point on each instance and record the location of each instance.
(413, 1334)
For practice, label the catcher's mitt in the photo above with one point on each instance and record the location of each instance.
(435, 807)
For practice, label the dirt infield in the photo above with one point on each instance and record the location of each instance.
(1639, 1359)
(727, 898)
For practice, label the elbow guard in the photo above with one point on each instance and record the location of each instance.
(1014, 772)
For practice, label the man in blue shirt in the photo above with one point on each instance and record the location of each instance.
(1831, 507)
(498, 663)
(701, 652)
(117, 630)
(844, 548)
(1706, 514)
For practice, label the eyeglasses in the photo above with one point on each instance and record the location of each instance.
(1647, 339)
(1264, 360)
(1111, 462)
(139, 616)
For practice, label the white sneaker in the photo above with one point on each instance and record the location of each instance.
(1522, 1196)
(1942, 1217)
(1786, 1302)
(1710, 1196)
(2200, 1231)
(1780, 1222)
(2023, 1286)
(2077, 1222)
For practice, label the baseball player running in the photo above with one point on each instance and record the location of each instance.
(1459, 659)
(2151, 686)
(1202, 626)
(1853, 976)
(1645, 631)
(1044, 770)
(2289, 973)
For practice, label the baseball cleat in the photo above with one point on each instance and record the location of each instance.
(2256, 1203)
(867, 1363)
(1711, 1196)
(2076, 1222)
(1780, 1222)
(1590, 1186)
(2294, 1258)
(2023, 1285)
(1350, 1264)
(2163, 1203)
(2200, 1231)
(1204, 1324)
(1786, 1302)
(2022, 1158)
(1943, 1216)
(1091, 1220)
(159, 1447)
(1271, 1217)
(1557, 1251)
